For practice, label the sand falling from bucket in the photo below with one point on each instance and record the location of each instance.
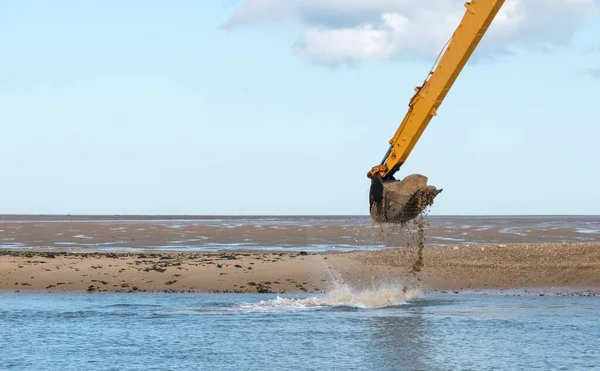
(409, 234)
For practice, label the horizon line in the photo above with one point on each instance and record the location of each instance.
(279, 215)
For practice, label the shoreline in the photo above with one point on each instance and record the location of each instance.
(562, 268)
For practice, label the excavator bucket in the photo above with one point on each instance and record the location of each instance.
(399, 201)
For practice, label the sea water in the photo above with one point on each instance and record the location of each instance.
(383, 329)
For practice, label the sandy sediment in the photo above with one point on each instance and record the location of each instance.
(164, 232)
(560, 267)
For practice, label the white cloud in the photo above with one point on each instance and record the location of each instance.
(340, 31)
(393, 36)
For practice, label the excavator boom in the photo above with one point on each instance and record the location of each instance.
(391, 200)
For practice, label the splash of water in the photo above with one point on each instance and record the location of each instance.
(341, 295)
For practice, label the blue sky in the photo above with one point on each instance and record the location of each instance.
(281, 107)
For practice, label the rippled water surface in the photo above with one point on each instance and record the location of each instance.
(345, 330)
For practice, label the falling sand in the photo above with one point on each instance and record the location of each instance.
(399, 234)
(423, 203)
(418, 265)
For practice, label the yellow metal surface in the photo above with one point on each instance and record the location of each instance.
(428, 97)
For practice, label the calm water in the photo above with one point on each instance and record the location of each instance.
(338, 331)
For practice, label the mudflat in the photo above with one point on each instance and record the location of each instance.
(310, 233)
(558, 267)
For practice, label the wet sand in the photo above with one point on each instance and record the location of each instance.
(552, 267)
(312, 233)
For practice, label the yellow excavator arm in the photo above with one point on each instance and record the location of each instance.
(423, 106)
